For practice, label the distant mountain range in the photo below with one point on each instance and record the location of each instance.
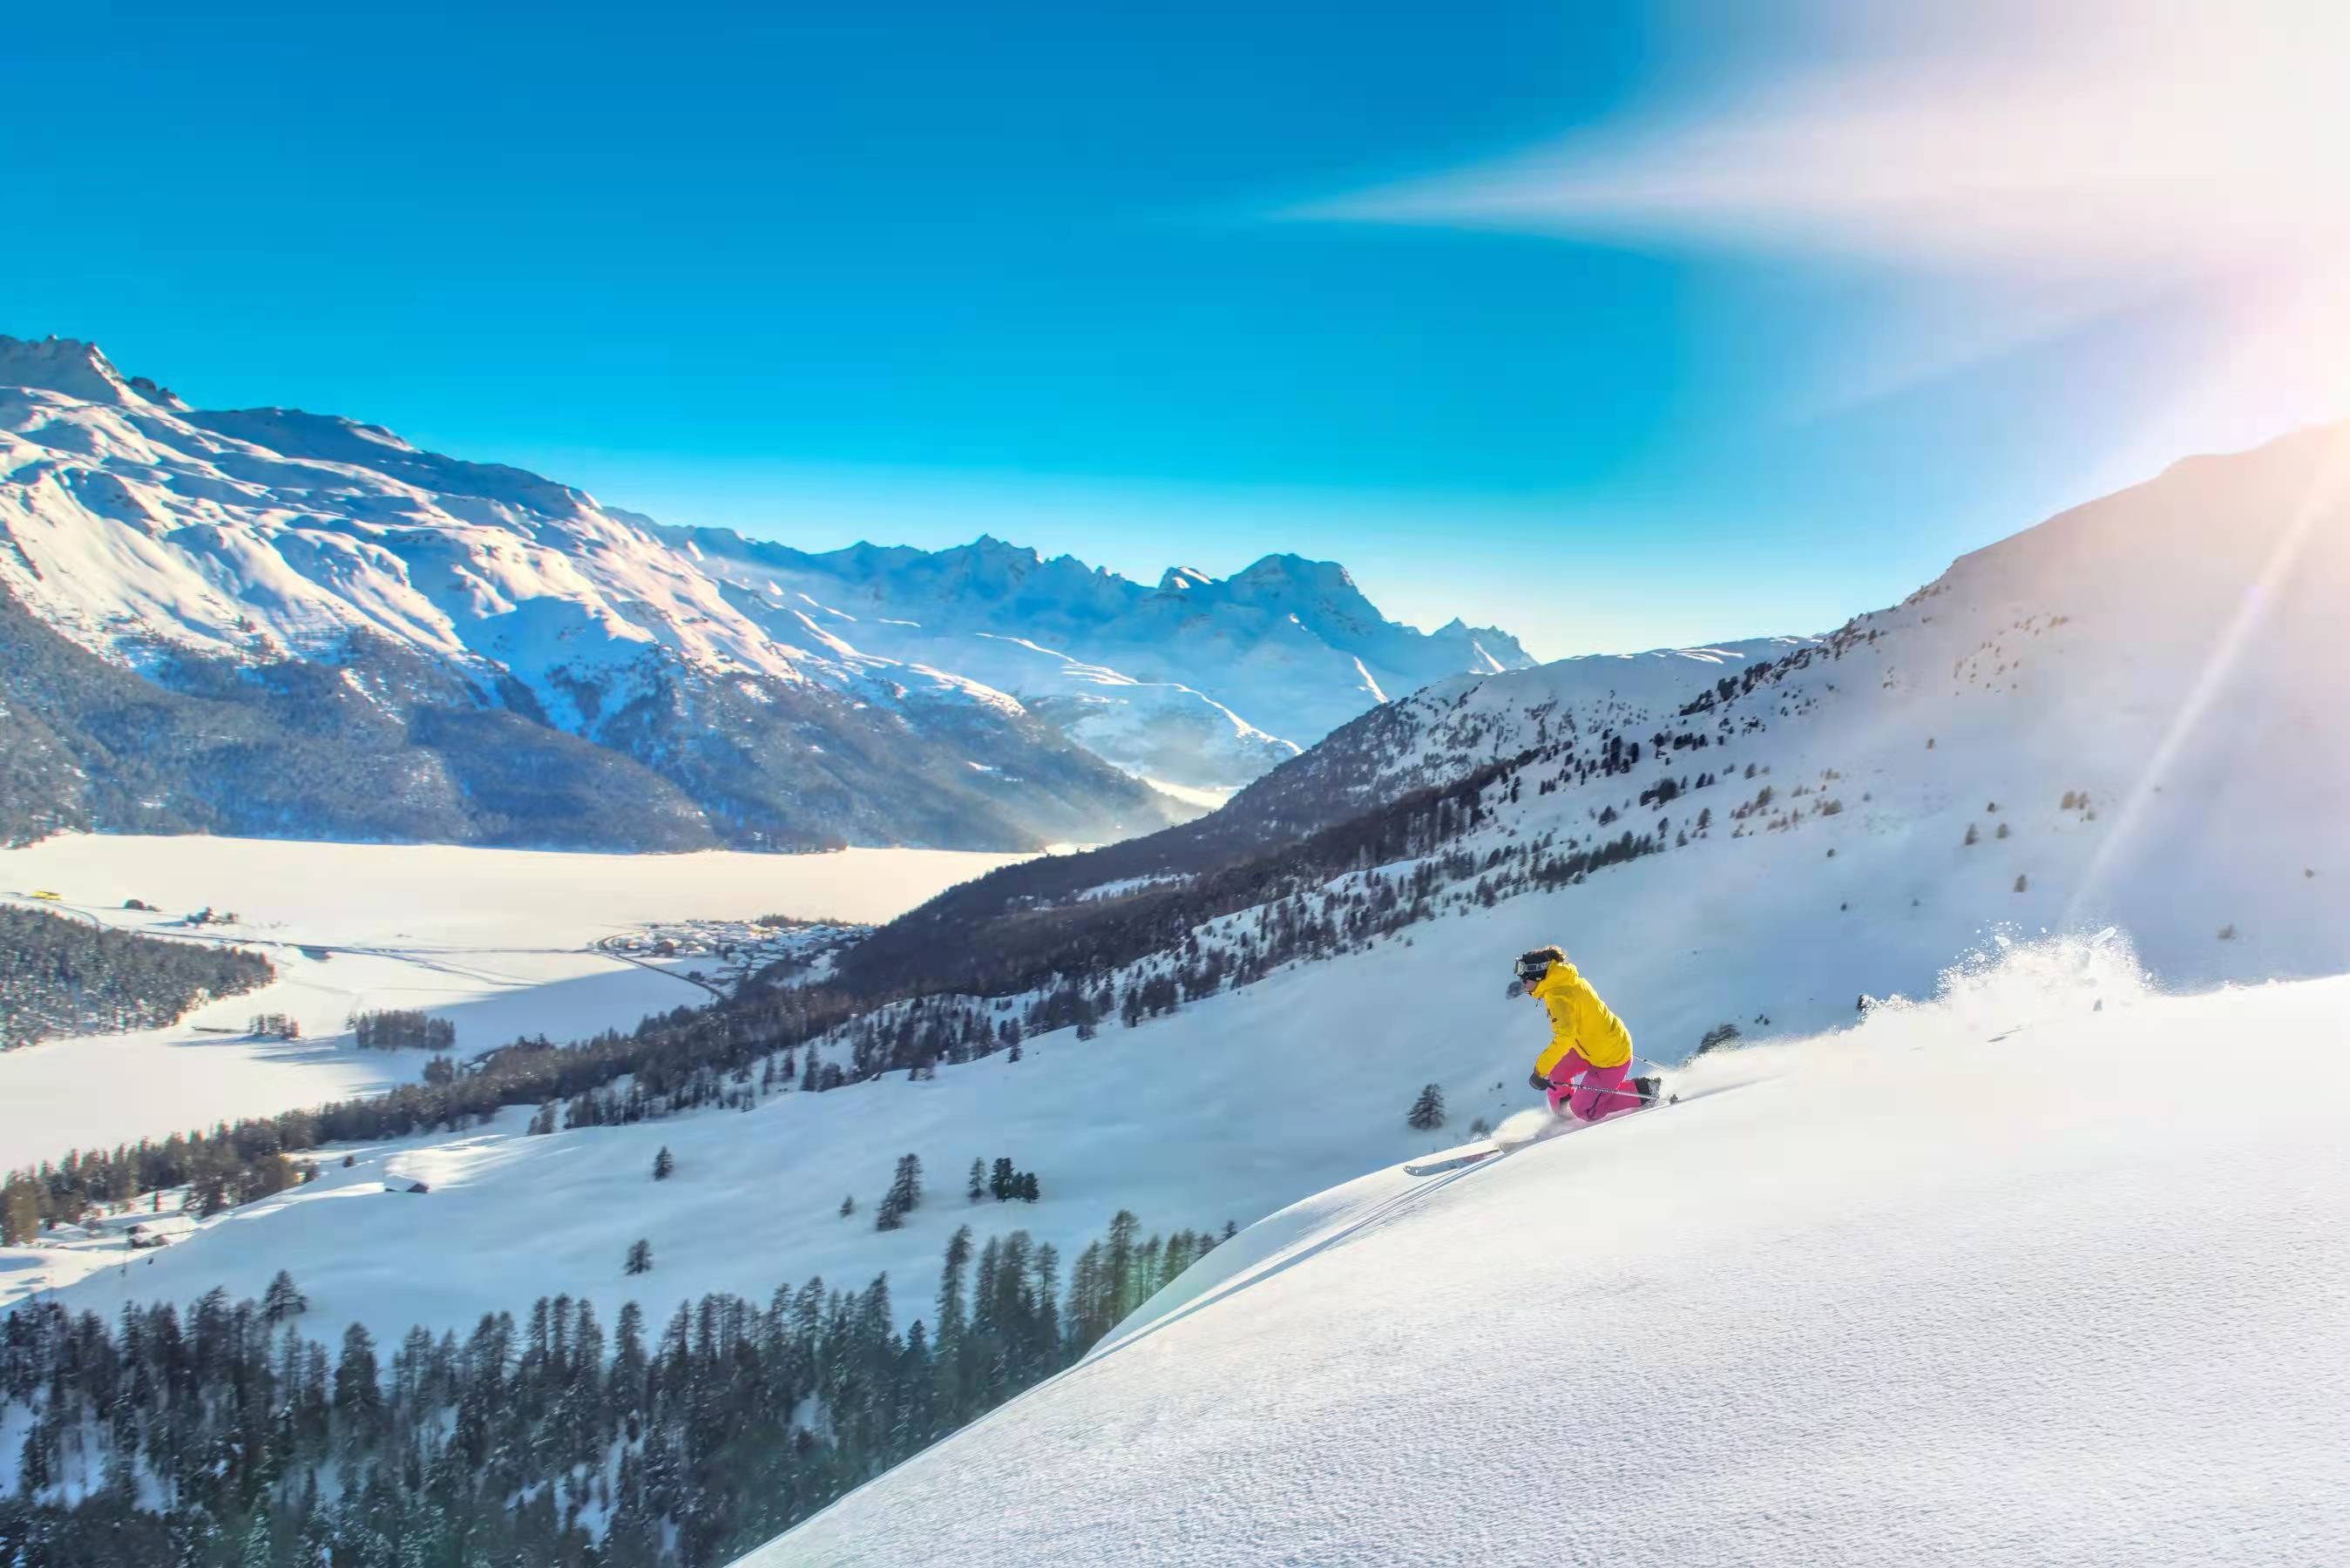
(274, 622)
(1200, 682)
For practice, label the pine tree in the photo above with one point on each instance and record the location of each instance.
(1428, 1111)
(20, 1211)
(359, 1394)
(663, 1164)
(283, 1299)
(1117, 1263)
(208, 1191)
(905, 1194)
(849, 1206)
(977, 1188)
(1000, 1184)
(33, 1462)
(1028, 1188)
(641, 1257)
(950, 1371)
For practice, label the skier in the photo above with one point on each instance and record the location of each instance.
(1587, 1041)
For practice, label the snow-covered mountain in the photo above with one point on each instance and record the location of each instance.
(2097, 761)
(452, 632)
(274, 622)
(1202, 682)
(2144, 654)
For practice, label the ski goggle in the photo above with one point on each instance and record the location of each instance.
(1531, 970)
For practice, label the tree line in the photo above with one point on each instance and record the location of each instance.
(61, 976)
(401, 1029)
(219, 1436)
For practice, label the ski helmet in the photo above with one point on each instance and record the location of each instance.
(1535, 963)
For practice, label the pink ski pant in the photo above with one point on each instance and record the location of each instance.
(1600, 1094)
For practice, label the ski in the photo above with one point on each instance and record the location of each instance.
(1651, 1095)
(1454, 1162)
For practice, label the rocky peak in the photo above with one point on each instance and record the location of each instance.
(78, 369)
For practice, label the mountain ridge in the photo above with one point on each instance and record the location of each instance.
(203, 550)
(1288, 646)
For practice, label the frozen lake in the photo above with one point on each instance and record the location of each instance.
(499, 942)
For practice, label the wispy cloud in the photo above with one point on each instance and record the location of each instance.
(2025, 168)
(2102, 140)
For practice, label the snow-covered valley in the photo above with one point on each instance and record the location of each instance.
(501, 943)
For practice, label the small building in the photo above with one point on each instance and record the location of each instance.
(161, 1231)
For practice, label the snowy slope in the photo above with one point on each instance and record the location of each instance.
(2157, 655)
(1907, 1293)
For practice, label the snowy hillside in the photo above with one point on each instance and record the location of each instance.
(518, 664)
(2112, 717)
(1939, 1288)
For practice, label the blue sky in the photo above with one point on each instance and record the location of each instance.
(1149, 285)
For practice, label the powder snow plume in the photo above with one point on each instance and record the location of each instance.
(2007, 985)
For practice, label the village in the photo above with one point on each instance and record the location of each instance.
(782, 947)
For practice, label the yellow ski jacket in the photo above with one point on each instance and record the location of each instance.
(1579, 1021)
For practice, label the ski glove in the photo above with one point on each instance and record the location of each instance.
(1537, 1081)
